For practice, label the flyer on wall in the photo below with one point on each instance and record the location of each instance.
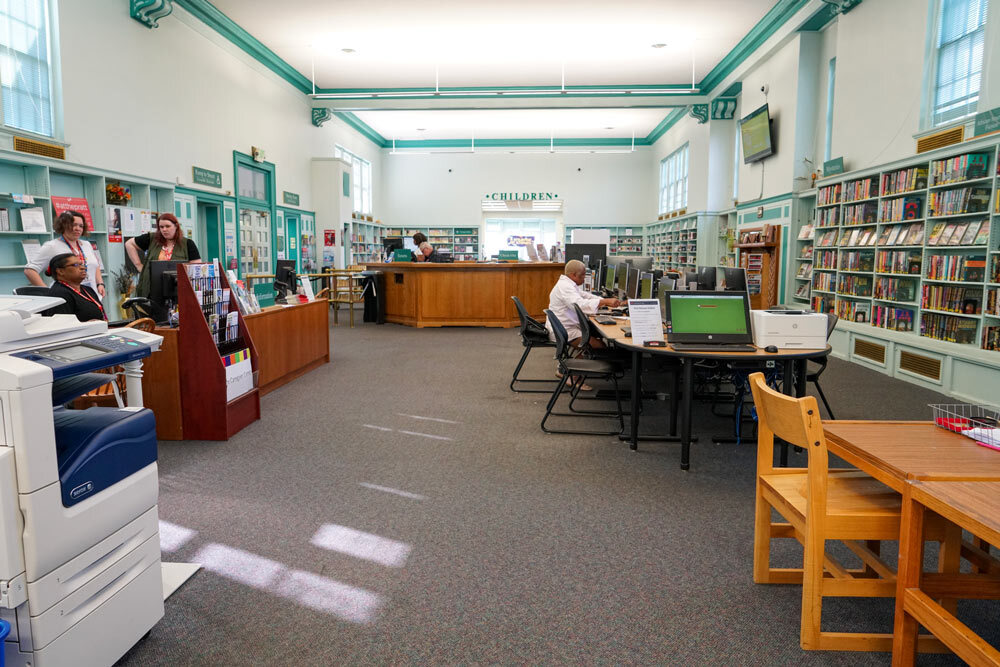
(76, 205)
(114, 224)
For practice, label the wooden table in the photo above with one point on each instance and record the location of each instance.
(788, 358)
(469, 294)
(975, 506)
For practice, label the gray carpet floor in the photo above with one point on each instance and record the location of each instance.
(401, 506)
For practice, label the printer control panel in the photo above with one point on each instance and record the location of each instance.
(89, 354)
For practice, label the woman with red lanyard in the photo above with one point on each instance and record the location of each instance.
(70, 227)
(167, 242)
(69, 272)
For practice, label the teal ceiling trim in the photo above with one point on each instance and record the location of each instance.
(760, 202)
(149, 12)
(733, 90)
(699, 112)
(760, 33)
(665, 125)
(820, 19)
(201, 195)
(366, 131)
(208, 14)
(675, 88)
(517, 143)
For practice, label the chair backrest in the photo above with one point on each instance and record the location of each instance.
(527, 321)
(32, 290)
(562, 338)
(831, 323)
(142, 324)
(795, 420)
(587, 329)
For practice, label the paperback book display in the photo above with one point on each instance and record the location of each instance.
(214, 301)
(895, 289)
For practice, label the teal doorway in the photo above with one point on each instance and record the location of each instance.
(292, 236)
(210, 217)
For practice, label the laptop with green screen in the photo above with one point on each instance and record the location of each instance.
(646, 286)
(706, 318)
(609, 278)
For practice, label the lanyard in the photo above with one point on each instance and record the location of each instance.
(78, 251)
(87, 297)
(166, 253)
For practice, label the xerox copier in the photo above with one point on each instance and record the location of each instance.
(80, 578)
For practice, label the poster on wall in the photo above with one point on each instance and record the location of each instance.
(130, 222)
(115, 224)
(75, 204)
(329, 245)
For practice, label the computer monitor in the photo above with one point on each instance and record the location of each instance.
(706, 278)
(645, 285)
(708, 317)
(690, 277)
(392, 243)
(609, 278)
(285, 280)
(622, 274)
(162, 288)
(641, 263)
(589, 253)
(735, 279)
(632, 288)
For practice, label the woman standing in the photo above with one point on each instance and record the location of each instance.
(71, 227)
(167, 242)
(78, 299)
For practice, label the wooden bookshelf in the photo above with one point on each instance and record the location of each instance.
(760, 255)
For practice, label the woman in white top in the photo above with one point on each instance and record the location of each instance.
(70, 226)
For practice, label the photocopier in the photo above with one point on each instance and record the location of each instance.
(80, 579)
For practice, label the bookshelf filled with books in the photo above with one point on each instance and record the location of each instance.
(910, 254)
(804, 262)
(366, 239)
(624, 241)
(462, 243)
(674, 244)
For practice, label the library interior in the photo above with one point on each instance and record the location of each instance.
(653, 332)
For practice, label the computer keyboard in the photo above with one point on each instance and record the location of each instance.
(605, 320)
(719, 347)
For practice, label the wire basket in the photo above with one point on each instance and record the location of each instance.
(979, 422)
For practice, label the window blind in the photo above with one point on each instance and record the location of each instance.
(24, 66)
(361, 174)
(960, 39)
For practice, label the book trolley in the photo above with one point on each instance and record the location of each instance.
(218, 364)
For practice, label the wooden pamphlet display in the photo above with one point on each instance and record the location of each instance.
(760, 255)
(206, 412)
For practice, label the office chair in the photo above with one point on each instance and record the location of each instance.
(32, 290)
(581, 370)
(533, 334)
(831, 323)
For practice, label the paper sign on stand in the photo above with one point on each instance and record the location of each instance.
(644, 316)
(307, 289)
(239, 374)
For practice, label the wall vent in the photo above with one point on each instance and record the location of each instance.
(928, 367)
(36, 147)
(869, 350)
(941, 139)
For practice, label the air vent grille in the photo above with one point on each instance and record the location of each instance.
(869, 350)
(918, 364)
(941, 139)
(36, 147)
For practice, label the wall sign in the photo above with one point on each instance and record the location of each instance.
(507, 255)
(206, 177)
(833, 167)
(521, 196)
(290, 198)
(987, 122)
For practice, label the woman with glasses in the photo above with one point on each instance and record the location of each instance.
(70, 227)
(80, 300)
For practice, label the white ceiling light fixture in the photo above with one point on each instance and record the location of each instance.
(348, 50)
(658, 45)
(488, 92)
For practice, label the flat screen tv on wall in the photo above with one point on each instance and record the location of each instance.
(755, 133)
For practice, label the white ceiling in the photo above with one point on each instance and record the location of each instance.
(512, 123)
(401, 44)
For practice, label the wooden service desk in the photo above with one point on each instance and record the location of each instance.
(290, 341)
(465, 294)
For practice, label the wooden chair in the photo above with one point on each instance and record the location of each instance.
(821, 504)
(112, 394)
(347, 289)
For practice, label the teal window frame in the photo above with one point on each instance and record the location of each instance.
(674, 180)
(361, 179)
(268, 205)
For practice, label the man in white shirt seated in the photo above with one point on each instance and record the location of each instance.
(567, 292)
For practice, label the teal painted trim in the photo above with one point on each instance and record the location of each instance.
(362, 128)
(786, 211)
(782, 277)
(619, 89)
(665, 125)
(758, 202)
(513, 143)
(733, 90)
(242, 159)
(820, 19)
(294, 211)
(769, 214)
(760, 33)
(201, 195)
(208, 14)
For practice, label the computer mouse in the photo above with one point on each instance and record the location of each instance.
(771, 348)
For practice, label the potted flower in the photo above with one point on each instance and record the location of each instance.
(117, 193)
(124, 284)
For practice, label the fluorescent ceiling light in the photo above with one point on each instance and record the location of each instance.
(510, 93)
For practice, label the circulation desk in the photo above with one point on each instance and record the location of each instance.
(465, 294)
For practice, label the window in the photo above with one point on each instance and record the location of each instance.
(674, 181)
(361, 178)
(958, 55)
(24, 65)
(831, 78)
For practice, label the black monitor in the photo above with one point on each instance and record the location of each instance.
(646, 285)
(391, 243)
(285, 280)
(690, 277)
(641, 263)
(162, 288)
(609, 278)
(593, 252)
(632, 289)
(735, 279)
(708, 317)
(622, 274)
(706, 278)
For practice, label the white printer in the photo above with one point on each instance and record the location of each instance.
(788, 329)
(80, 579)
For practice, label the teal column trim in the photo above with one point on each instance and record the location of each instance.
(758, 202)
(201, 195)
(723, 108)
(149, 12)
(363, 129)
(699, 112)
(665, 125)
(782, 277)
(320, 116)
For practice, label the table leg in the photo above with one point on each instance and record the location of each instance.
(675, 392)
(789, 388)
(636, 398)
(686, 413)
(911, 560)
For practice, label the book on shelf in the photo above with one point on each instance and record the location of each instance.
(912, 208)
(805, 233)
(969, 237)
(904, 180)
(936, 233)
(916, 236)
(960, 168)
(991, 338)
(33, 219)
(956, 238)
(31, 249)
(4, 220)
(949, 230)
(893, 235)
(890, 317)
(983, 235)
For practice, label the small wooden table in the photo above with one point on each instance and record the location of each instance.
(975, 506)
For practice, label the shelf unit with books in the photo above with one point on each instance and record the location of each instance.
(465, 244)
(366, 239)
(760, 255)
(931, 314)
(683, 243)
(624, 241)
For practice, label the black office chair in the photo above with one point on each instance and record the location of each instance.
(580, 370)
(831, 323)
(533, 334)
(32, 290)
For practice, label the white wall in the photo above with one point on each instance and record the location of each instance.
(597, 188)
(696, 135)
(156, 102)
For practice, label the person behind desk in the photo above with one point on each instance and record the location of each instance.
(71, 227)
(567, 292)
(167, 242)
(426, 253)
(69, 272)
